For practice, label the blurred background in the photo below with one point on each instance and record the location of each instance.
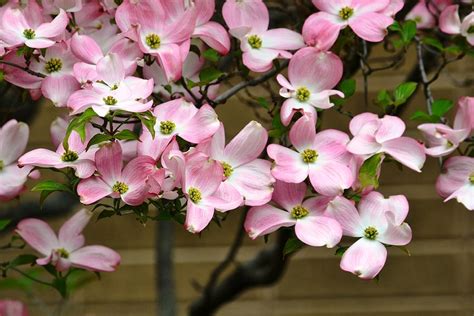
(436, 280)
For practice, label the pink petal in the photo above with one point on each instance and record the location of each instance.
(247, 145)
(203, 125)
(464, 195)
(320, 32)
(371, 26)
(397, 235)
(260, 60)
(344, 211)
(254, 181)
(70, 234)
(55, 27)
(391, 127)
(95, 258)
(449, 21)
(38, 235)
(92, 190)
(289, 165)
(136, 195)
(303, 133)
(315, 70)
(109, 162)
(170, 60)
(283, 39)
(246, 13)
(407, 151)
(331, 178)
(291, 106)
(360, 121)
(363, 145)
(289, 195)
(136, 171)
(214, 35)
(13, 140)
(318, 231)
(59, 88)
(203, 174)
(265, 219)
(198, 217)
(110, 69)
(365, 258)
(86, 49)
(225, 198)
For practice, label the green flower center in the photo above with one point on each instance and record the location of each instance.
(345, 13)
(110, 100)
(370, 233)
(69, 156)
(63, 253)
(471, 177)
(2, 165)
(167, 127)
(53, 65)
(418, 19)
(227, 169)
(255, 41)
(120, 187)
(470, 30)
(194, 195)
(29, 33)
(299, 212)
(309, 155)
(153, 41)
(303, 94)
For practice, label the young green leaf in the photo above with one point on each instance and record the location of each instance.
(51, 185)
(4, 223)
(208, 75)
(97, 139)
(126, 135)
(211, 55)
(293, 244)
(403, 92)
(368, 173)
(441, 107)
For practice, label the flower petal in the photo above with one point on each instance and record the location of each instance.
(265, 219)
(95, 258)
(365, 258)
(38, 235)
(318, 231)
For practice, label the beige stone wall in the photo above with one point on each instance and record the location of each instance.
(436, 280)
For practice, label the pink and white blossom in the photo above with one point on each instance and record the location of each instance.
(312, 75)
(67, 249)
(128, 184)
(311, 224)
(457, 181)
(322, 156)
(376, 222)
(450, 23)
(373, 135)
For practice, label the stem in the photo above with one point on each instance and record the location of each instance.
(30, 277)
(166, 305)
(31, 72)
(250, 83)
(424, 76)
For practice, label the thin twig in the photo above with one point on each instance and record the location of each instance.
(250, 83)
(424, 77)
(31, 72)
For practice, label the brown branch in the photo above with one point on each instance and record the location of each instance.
(31, 72)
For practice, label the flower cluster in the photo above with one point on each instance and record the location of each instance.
(140, 89)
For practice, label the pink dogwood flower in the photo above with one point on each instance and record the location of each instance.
(128, 184)
(374, 135)
(363, 17)
(12, 308)
(422, 16)
(114, 90)
(465, 114)
(243, 171)
(312, 75)
(312, 226)
(378, 222)
(18, 27)
(450, 23)
(13, 140)
(181, 118)
(67, 249)
(442, 139)
(204, 192)
(322, 156)
(57, 65)
(457, 181)
(248, 21)
(76, 157)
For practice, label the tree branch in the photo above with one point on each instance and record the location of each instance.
(31, 72)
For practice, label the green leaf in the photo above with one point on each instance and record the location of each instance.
(78, 124)
(60, 285)
(395, 27)
(423, 117)
(191, 84)
(51, 185)
(293, 244)
(105, 214)
(126, 135)
(408, 31)
(4, 223)
(403, 92)
(384, 99)
(278, 128)
(208, 75)
(441, 107)
(348, 87)
(149, 122)
(405, 250)
(211, 55)
(97, 139)
(263, 102)
(340, 251)
(2, 75)
(433, 42)
(368, 173)
(22, 260)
